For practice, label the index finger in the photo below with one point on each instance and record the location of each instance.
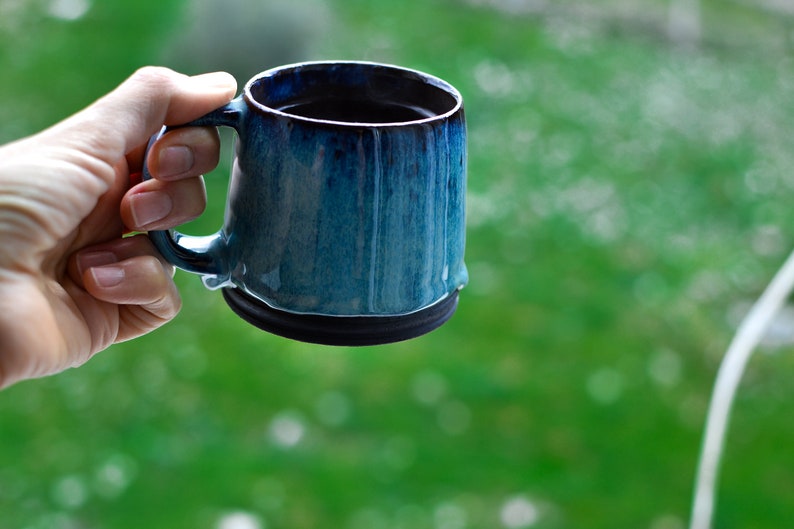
(127, 117)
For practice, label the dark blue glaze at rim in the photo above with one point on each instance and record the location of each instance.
(268, 91)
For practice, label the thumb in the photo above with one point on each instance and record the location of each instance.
(125, 118)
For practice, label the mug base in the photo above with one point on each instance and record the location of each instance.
(340, 330)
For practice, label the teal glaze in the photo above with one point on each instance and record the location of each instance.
(339, 218)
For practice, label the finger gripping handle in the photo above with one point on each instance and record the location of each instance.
(204, 255)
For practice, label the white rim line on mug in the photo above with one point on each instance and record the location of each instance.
(436, 81)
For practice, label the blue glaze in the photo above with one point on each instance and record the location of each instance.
(334, 217)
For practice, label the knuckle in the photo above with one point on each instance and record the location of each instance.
(154, 75)
(167, 306)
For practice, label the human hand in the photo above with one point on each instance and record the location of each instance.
(70, 284)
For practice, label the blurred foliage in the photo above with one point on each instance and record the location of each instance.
(629, 196)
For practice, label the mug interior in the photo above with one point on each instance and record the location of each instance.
(353, 92)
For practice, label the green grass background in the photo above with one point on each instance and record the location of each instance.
(628, 197)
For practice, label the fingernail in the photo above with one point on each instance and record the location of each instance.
(108, 276)
(149, 207)
(174, 161)
(91, 259)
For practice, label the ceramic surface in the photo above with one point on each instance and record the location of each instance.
(355, 208)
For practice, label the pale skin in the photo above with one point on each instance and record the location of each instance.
(70, 284)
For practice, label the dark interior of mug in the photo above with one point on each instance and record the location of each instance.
(350, 92)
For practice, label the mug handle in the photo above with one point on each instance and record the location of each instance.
(204, 255)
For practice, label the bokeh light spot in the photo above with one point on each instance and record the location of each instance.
(519, 512)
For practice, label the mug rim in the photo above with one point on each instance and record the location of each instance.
(432, 80)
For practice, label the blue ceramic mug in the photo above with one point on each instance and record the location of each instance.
(345, 221)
